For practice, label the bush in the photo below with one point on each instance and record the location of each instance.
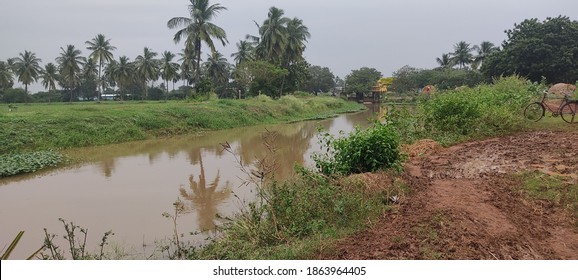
(368, 150)
(485, 110)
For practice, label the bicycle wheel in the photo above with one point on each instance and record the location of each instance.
(569, 111)
(534, 111)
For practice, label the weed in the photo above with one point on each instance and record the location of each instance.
(557, 190)
(76, 244)
(368, 150)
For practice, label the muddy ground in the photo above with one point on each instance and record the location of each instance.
(466, 204)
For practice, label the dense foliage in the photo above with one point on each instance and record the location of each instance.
(361, 81)
(536, 49)
(409, 79)
(320, 80)
(363, 150)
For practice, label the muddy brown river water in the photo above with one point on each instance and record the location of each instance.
(127, 187)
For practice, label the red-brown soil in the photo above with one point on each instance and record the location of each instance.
(465, 204)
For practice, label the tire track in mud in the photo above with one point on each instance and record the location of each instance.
(464, 205)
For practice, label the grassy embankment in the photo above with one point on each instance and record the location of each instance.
(45, 127)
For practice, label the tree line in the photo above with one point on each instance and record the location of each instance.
(270, 62)
(541, 51)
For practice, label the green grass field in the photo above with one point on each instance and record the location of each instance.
(33, 127)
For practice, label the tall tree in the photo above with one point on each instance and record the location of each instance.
(50, 78)
(484, 50)
(27, 68)
(123, 73)
(6, 76)
(320, 80)
(245, 52)
(147, 68)
(297, 35)
(537, 49)
(218, 70)
(274, 35)
(101, 53)
(462, 55)
(69, 67)
(188, 64)
(445, 61)
(199, 28)
(361, 81)
(169, 69)
(89, 79)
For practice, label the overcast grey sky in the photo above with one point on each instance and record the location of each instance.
(345, 34)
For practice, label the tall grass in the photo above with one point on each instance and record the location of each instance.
(465, 113)
(299, 217)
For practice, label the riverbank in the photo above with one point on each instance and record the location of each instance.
(40, 127)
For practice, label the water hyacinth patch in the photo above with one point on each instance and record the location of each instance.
(12, 164)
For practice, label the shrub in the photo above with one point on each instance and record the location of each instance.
(368, 150)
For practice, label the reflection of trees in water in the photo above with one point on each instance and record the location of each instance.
(205, 198)
(107, 166)
(291, 143)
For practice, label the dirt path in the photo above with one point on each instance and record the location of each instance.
(464, 206)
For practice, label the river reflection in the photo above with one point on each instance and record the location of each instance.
(126, 187)
(205, 198)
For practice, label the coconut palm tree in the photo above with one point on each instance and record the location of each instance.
(50, 78)
(245, 52)
(218, 69)
(169, 69)
(188, 63)
(69, 67)
(6, 76)
(274, 35)
(101, 53)
(297, 35)
(27, 68)
(445, 61)
(484, 50)
(462, 55)
(199, 28)
(89, 78)
(123, 73)
(147, 68)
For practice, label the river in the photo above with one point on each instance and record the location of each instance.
(127, 187)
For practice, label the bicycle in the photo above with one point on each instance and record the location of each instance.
(567, 109)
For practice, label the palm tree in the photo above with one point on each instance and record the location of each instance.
(50, 78)
(101, 53)
(297, 35)
(147, 68)
(445, 61)
(274, 35)
(188, 63)
(218, 69)
(69, 63)
(169, 69)
(27, 68)
(484, 50)
(244, 52)
(199, 28)
(89, 78)
(6, 78)
(462, 54)
(123, 73)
